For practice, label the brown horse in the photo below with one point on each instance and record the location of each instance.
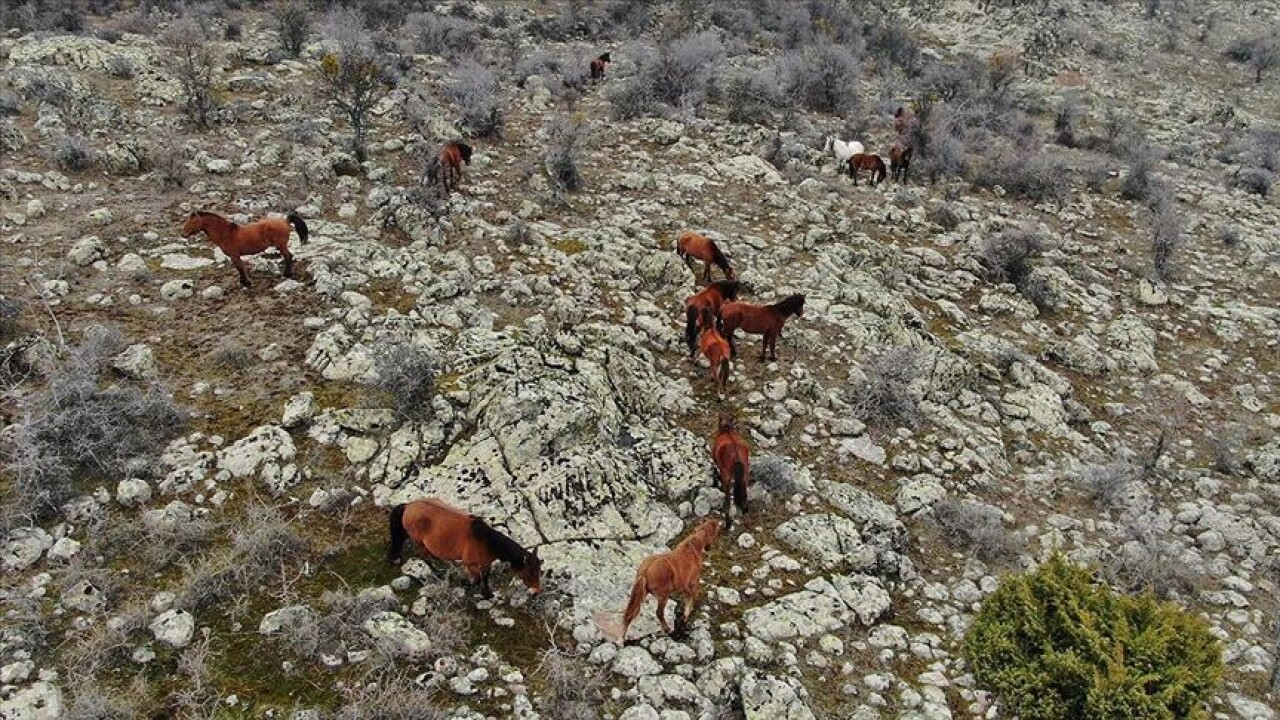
(900, 160)
(904, 121)
(711, 297)
(667, 573)
(764, 320)
(866, 161)
(599, 65)
(448, 533)
(453, 155)
(236, 241)
(716, 349)
(732, 458)
(690, 246)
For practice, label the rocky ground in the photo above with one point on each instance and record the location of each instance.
(1130, 423)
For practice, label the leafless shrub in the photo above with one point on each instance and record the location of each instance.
(193, 64)
(120, 67)
(390, 697)
(560, 158)
(823, 77)
(231, 355)
(474, 88)
(679, 75)
(10, 311)
(429, 33)
(1007, 257)
(169, 163)
(1150, 562)
(574, 690)
(1229, 235)
(944, 215)
(976, 527)
(1140, 184)
(518, 232)
(884, 398)
(750, 96)
(1167, 237)
(1228, 451)
(1260, 52)
(91, 701)
(353, 73)
(293, 23)
(1107, 484)
(72, 154)
(1035, 177)
(1065, 118)
(406, 374)
(260, 546)
(336, 627)
(1254, 180)
(197, 695)
(74, 427)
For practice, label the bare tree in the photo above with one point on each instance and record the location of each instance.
(352, 73)
(293, 22)
(1266, 55)
(194, 63)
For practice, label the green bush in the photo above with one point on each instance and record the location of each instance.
(1054, 645)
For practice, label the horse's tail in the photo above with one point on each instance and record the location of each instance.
(880, 172)
(298, 224)
(718, 258)
(680, 251)
(740, 485)
(638, 592)
(691, 328)
(398, 533)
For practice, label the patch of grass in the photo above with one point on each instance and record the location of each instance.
(569, 246)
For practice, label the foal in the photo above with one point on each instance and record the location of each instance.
(453, 155)
(448, 533)
(764, 320)
(599, 65)
(732, 458)
(900, 160)
(863, 161)
(715, 349)
(667, 573)
(236, 241)
(711, 297)
(690, 246)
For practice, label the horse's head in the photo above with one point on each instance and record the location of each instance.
(799, 304)
(194, 224)
(709, 531)
(531, 573)
(465, 149)
(604, 57)
(728, 423)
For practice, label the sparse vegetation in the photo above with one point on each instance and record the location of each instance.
(977, 528)
(474, 88)
(193, 64)
(73, 154)
(353, 73)
(561, 156)
(406, 375)
(678, 76)
(261, 544)
(293, 23)
(574, 689)
(1053, 645)
(1167, 238)
(884, 398)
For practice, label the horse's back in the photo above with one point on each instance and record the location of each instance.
(439, 526)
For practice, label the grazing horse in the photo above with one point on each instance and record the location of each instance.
(453, 155)
(599, 65)
(732, 458)
(236, 241)
(448, 533)
(667, 573)
(715, 349)
(691, 246)
(711, 297)
(842, 150)
(764, 320)
(863, 161)
(900, 160)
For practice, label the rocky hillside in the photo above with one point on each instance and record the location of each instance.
(1058, 334)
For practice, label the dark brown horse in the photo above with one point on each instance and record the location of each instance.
(453, 155)
(448, 533)
(733, 459)
(599, 65)
(715, 349)
(711, 297)
(235, 240)
(664, 574)
(766, 320)
(904, 122)
(900, 160)
(690, 246)
(865, 161)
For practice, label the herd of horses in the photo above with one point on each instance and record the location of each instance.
(712, 317)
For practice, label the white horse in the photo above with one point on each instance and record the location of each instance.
(843, 150)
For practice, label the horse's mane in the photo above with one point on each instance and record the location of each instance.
(695, 537)
(604, 57)
(789, 305)
(728, 288)
(718, 258)
(216, 216)
(504, 547)
(465, 149)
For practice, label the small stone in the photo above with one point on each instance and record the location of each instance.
(137, 362)
(174, 628)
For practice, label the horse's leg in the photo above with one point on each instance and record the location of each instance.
(728, 510)
(288, 259)
(706, 272)
(244, 276)
(771, 340)
(764, 347)
(662, 612)
(692, 597)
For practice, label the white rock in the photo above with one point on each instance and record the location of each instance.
(397, 636)
(174, 628)
(133, 491)
(299, 410)
(86, 251)
(137, 362)
(24, 546)
(177, 290)
(918, 492)
(64, 549)
(634, 661)
(39, 701)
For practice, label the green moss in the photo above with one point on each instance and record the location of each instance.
(1054, 645)
(569, 246)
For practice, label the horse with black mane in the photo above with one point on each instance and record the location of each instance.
(236, 240)
(599, 65)
(766, 320)
(712, 297)
(732, 457)
(690, 246)
(865, 161)
(447, 533)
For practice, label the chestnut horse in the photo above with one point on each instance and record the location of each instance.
(732, 458)
(711, 297)
(715, 349)
(236, 241)
(453, 155)
(764, 320)
(864, 161)
(667, 573)
(599, 65)
(448, 533)
(690, 246)
(900, 160)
